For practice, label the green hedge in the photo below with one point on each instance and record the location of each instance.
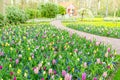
(15, 15)
(1, 20)
(48, 10)
(62, 10)
(33, 13)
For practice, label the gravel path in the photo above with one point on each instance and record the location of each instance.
(112, 41)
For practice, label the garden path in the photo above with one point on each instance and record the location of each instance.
(112, 41)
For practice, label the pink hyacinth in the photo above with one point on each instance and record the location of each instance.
(63, 72)
(94, 78)
(68, 77)
(108, 50)
(83, 76)
(42, 79)
(15, 78)
(17, 61)
(1, 67)
(50, 71)
(54, 61)
(55, 72)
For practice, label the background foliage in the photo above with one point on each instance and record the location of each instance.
(15, 15)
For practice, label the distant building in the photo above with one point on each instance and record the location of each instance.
(71, 9)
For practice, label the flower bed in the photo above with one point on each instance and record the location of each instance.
(113, 32)
(45, 53)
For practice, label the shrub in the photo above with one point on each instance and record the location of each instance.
(118, 13)
(15, 15)
(33, 13)
(62, 10)
(1, 20)
(48, 10)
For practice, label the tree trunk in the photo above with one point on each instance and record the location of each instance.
(99, 4)
(106, 8)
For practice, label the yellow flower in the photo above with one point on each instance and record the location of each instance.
(115, 53)
(24, 37)
(10, 65)
(6, 33)
(97, 49)
(94, 51)
(73, 69)
(42, 62)
(2, 44)
(25, 74)
(111, 66)
(28, 48)
(90, 45)
(60, 78)
(53, 49)
(7, 44)
(70, 53)
(18, 71)
(78, 59)
(11, 48)
(30, 58)
(44, 72)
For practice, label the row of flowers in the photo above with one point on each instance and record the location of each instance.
(46, 53)
(98, 30)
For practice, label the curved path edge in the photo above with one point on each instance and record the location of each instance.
(112, 41)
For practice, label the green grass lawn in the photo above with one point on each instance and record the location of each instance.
(108, 29)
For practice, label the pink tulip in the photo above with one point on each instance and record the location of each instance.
(68, 68)
(85, 65)
(17, 61)
(1, 67)
(97, 43)
(105, 74)
(42, 79)
(68, 77)
(44, 68)
(83, 76)
(106, 54)
(76, 50)
(11, 73)
(1, 54)
(98, 60)
(36, 70)
(10, 59)
(50, 71)
(54, 61)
